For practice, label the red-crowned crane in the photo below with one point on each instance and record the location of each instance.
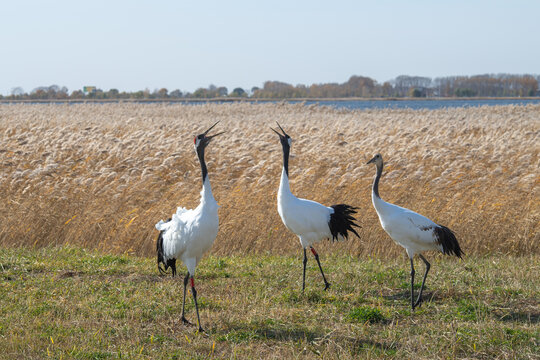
(414, 232)
(309, 220)
(190, 233)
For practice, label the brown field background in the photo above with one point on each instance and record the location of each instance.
(101, 175)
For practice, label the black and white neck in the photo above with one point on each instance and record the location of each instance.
(200, 155)
(201, 141)
(377, 178)
(207, 197)
(286, 144)
(284, 187)
(285, 141)
(378, 160)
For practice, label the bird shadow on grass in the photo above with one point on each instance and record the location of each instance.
(355, 345)
(519, 316)
(294, 333)
(237, 333)
(406, 295)
(359, 345)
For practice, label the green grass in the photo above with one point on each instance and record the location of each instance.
(366, 314)
(75, 304)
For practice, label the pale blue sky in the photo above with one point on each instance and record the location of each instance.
(133, 45)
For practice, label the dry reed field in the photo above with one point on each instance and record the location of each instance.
(101, 175)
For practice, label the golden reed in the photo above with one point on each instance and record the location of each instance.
(100, 176)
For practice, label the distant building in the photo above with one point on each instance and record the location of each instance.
(89, 89)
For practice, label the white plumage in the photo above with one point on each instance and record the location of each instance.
(189, 234)
(415, 232)
(309, 220)
(306, 218)
(407, 228)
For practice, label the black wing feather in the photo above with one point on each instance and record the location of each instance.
(447, 239)
(161, 256)
(342, 221)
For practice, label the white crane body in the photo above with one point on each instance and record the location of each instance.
(306, 218)
(414, 232)
(309, 220)
(189, 234)
(407, 228)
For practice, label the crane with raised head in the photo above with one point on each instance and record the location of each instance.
(188, 234)
(309, 220)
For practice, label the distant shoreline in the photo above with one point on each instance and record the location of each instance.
(252, 100)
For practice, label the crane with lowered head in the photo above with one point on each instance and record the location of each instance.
(415, 232)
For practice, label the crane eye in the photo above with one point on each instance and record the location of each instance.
(198, 137)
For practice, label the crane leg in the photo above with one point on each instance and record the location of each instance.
(194, 292)
(326, 283)
(428, 265)
(304, 273)
(173, 267)
(412, 285)
(161, 270)
(184, 320)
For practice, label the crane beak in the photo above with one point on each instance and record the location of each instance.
(280, 135)
(284, 133)
(206, 132)
(208, 138)
(213, 136)
(370, 161)
(205, 140)
(276, 132)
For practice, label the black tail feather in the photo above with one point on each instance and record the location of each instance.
(447, 239)
(170, 263)
(342, 221)
(160, 255)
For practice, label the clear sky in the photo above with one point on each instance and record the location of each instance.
(132, 45)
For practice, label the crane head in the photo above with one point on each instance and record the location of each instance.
(203, 139)
(377, 159)
(285, 139)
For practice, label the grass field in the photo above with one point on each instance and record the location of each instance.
(72, 303)
(101, 175)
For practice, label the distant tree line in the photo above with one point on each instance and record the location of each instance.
(501, 85)
(489, 85)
